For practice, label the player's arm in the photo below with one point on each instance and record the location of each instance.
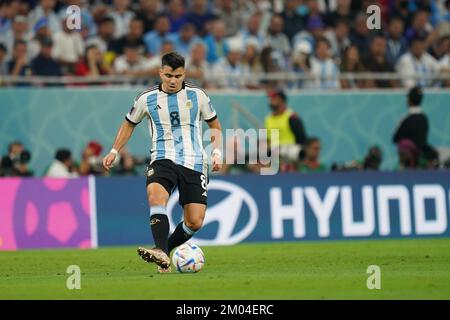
(122, 137)
(216, 141)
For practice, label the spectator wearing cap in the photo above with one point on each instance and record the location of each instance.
(63, 165)
(215, 41)
(41, 31)
(133, 37)
(153, 39)
(44, 64)
(301, 59)
(323, 68)
(291, 132)
(275, 36)
(229, 71)
(185, 39)
(315, 29)
(45, 9)
(122, 17)
(251, 61)
(18, 32)
(177, 15)
(417, 66)
(91, 162)
(414, 126)
(228, 12)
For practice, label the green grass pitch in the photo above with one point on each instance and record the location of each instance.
(410, 269)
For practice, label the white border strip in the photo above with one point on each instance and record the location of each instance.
(93, 209)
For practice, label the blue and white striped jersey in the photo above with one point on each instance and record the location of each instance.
(175, 123)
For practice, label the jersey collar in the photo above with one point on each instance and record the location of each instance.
(183, 85)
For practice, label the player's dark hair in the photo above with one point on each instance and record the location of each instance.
(311, 140)
(415, 96)
(63, 155)
(173, 60)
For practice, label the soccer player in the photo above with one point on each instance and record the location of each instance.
(174, 110)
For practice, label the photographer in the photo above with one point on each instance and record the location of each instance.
(15, 163)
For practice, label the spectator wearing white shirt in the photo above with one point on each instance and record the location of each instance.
(323, 67)
(416, 66)
(45, 9)
(131, 62)
(17, 32)
(197, 66)
(229, 69)
(62, 166)
(68, 48)
(122, 17)
(275, 36)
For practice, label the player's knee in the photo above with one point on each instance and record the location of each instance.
(194, 225)
(156, 200)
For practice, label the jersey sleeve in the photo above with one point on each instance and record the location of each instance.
(206, 109)
(137, 112)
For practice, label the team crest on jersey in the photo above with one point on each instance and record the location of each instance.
(150, 172)
(189, 104)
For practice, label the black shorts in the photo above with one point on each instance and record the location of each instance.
(192, 185)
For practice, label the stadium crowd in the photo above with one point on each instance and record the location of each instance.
(319, 39)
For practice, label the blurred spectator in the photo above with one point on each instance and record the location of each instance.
(252, 62)
(311, 161)
(176, 14)
(301, 60)
(251, 30)
(323, 68)
(153, 65)
(17, 32)
(19, 65)
(44, 64)
(62, 166)
(275, 36)
(8, 10)
(126, 165)
(3, 64)
(270, 64)
(185, 39)
(68, 48)
(396, 42)
(414, 126)
(351, 63)
(417, 65)
(339, 38)
(41, 31)
(88, 25)
(148, 11)
(105, 36)
(360, 34)
(444, 62)
(375, 61)
(315, 29)
(133, 38)
(408, 154)
(229, 13)
(154, 39)
(420, 27)
(373, 159)
(122, 17)
(199, 15)
(401, 10)
(215, 41)
(15, 163)
(293, 22)
(230, 65)
(45, 9)
(91, 161)
(131, 62)
(196, 65)
(291, 132)
(92, 64)
(343, 12)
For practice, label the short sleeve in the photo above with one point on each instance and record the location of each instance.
(137, 112)
(207, 111)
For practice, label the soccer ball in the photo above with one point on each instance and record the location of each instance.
(188, 258)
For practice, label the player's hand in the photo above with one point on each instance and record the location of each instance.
(216, 159)
(108, 161)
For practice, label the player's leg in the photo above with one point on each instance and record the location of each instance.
(192, 186)
(194, 214)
